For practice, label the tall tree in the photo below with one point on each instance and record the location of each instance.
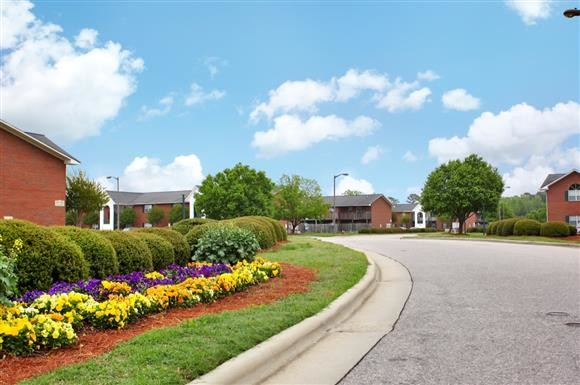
(83, 196)
(352, 193)
(235, 192)
(155, 215)
(413, 198)
(176, 213)
(461, 187)
(127, 217)
(394, 200)
(297, 198)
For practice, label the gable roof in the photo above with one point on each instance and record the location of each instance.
(126, 198)
(40, 141)
(553, 178)
(404, 207)
(354, 200)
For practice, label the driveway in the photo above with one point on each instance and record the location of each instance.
(477, 314)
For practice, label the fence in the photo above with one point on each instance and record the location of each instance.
(330, 228)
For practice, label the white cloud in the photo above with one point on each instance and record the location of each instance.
(290, 133)
(459, 99)
(197, 95)
(404, 96)
(512, 136)
(372, 153)
(350, 183)
(148, 174)
(164, 107)
(531, 10)
(214, 65)
(73, 91)
(428, 75)
(409, 157)
(354, 81)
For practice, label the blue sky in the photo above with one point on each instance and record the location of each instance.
(164, 93)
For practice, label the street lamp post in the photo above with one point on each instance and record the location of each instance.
(116, 203)
(334, 200)
(499, 205)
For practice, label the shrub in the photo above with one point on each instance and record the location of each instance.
(8, 278)
(175, 214)
(268, 227)
(573, 230)
(185, 225)
(278, 229)
(46, 256)
(527, 227)
(127, 217)
(177, 240)
(221, 244)
(155, 215)
(499, 227)
(476, 229)
(554, 229)
(193, 236)
(97, 250)
(508, 227)
(162, 254)
(260, 230)
(132, 252)
(491, 228)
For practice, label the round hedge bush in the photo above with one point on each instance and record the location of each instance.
(278, 229)
(224, 244)
(508, 226)
(268, 227)
(554, 229)
(46, 256)
(499, 227)
(527, 227)
(177, 240)
(185, 225)
(573, 230)
(162, 254)
(97, 250)
(259, 229)
(193, 235)
(132, 252)
(491, 228)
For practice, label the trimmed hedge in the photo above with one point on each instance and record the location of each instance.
(259, 229)
(507, 228)
(97, 250)
(491, 228)
(132, 252)
(527, 227)
(162, 253)
(554, 229)
(573, 230)
(177, 240)
(193, 236)
(268, 227)
(185, 225)
(499, 228)
(395, 230)
(224, 244)
(476, 229)
(46, 256)
(281, 234)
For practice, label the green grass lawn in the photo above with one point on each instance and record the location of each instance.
(496, 237)
(177, 355)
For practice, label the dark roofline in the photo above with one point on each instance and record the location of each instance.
(546, 185)
(377, 196)
(44, 144)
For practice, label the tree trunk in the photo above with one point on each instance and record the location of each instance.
(461, 224)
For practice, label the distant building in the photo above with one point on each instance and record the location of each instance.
(142, 203)
(563, 197)
(418, 217)
(32, 176)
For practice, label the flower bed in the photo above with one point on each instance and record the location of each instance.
(49, 320)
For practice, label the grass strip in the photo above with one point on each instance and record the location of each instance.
(481, 236)
(177, 355)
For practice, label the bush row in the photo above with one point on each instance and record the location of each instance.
(396, 230)
(522, 226)
(53, 254)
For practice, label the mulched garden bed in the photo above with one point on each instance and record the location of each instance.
(295, 279)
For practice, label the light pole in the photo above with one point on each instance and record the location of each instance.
(116, 203)
(499, 205)
(334, 200)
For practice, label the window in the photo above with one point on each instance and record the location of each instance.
(419, 218)
(574, 220)
(573, 193)
(147, 208)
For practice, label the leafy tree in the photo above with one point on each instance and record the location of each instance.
(175, 214)
(83, 196)
(297, 198)
(235, 192)
(128, 217)
(91, 218)
(461, 187)
(394, 200)
(352, 193)
(155, 215)
(406, 220)
(538, 214)
(413, 198)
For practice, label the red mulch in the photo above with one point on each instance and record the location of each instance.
(295, 279)
(572, 238)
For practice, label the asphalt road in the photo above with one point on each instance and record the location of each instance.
(477, 314)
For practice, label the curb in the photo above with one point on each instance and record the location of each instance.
(265, 359)
(510, 241)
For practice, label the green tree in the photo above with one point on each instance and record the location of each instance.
(352, 193)
(413, 198)
(91, 219)
(538, 214)
(297, 198)
(394, 200)
(128, 217)
(155, 215)
(461, 187)
(175, 214)
(83, 196)
(406, 220)
(235, 192)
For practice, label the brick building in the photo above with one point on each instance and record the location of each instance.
(142, 203)
(418, 218)
(563, 197)
(32, 176)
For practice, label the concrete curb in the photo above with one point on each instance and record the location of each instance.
(511, 241)
(263, 360)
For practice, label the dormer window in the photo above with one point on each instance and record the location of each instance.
(573, 193)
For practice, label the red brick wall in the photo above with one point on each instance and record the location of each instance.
(166, 207)
(398, 216)
(381, 213)
(30, 181)
(558, 208)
